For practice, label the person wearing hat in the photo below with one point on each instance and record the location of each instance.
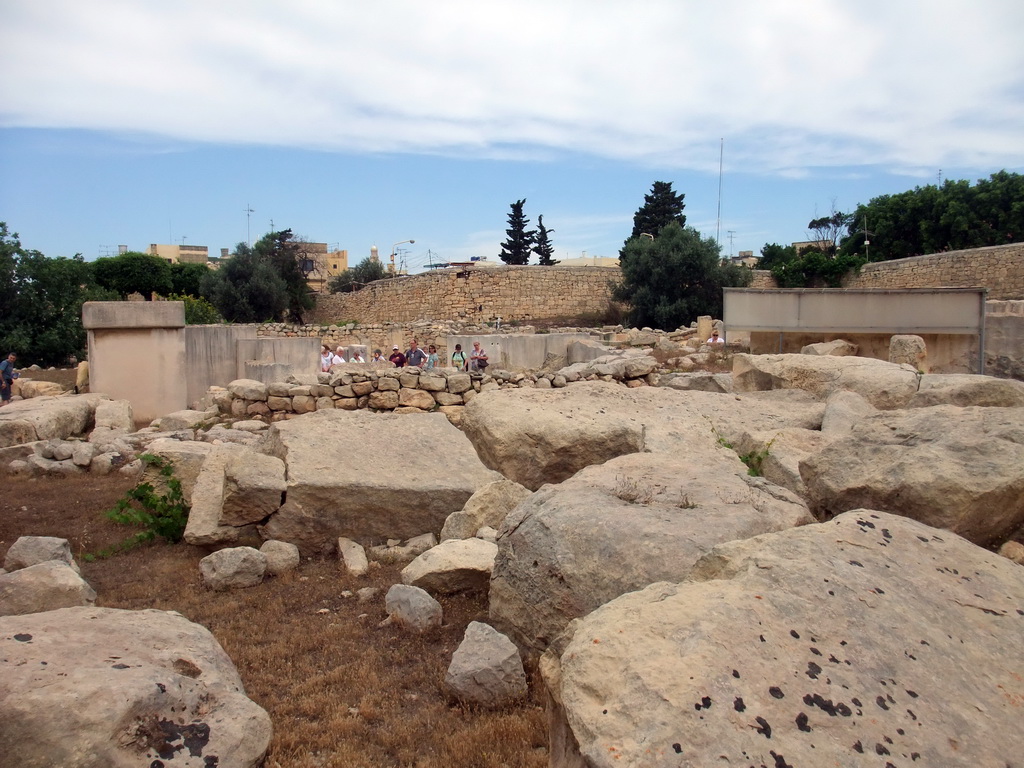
(397, 357)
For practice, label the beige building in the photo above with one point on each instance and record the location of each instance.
(319, 264)
(180, 254)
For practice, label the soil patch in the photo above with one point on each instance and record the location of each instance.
(341, 690)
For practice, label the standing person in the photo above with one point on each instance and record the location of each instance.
(7, 377)
(326, 358)
(414, 355)
(397, 357)
(477, 358)
(378, 357)
(356, 358)
(339, 356)
(459, 358)
(432, 359)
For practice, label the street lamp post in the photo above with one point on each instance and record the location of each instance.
(394, 248)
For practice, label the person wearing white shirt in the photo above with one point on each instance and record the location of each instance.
(339, 357)
(715, 338)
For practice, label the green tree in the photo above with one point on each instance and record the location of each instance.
(198, 311)
(661, 207)
(827, 231)
(247, 288)
(286, 255)
(186, 278)
(674, 278)
(134, 272)
(936, 218)
(41, 311)
(516, 250)
(358, 277)
(542, 244)
(773, 254)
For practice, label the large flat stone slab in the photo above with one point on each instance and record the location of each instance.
(871, 640)
(46, 418)
(370, 477)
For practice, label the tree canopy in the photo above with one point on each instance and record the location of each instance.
(932, 219)
(661, 207)
(358, 277)
(134, 272)
(41, 303)
(674, 278)
(247, 288)
(516, 249)
(186, 278)
(542, 244)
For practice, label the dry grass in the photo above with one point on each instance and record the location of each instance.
(341, 690)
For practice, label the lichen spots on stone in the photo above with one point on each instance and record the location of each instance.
(813, 670)
(23, 637)
(776, 692)
(802, 723)
(763, 727)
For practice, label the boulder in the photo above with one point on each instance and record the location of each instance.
(611, 529)
(776, 456)
(254, 484)
(29, 388)
(46, 418)
(956, 468)
(412, 608)
(43, 587)
(907, 349)
(456, 565)
(116, 415)
(204, 526)
(702, 381)
(836, 347)
(370, 477)
(186, 419)
(85, 687)
(1013, 551)
(883, 384)
(486, 670)
(843, 411)
(32, 550)
(968, 389)
(831, 644)
(353, 556)
(233, 568)
(486, 507)
(248, 389)
(281, 557)
(186, 458)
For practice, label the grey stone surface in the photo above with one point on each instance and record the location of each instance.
(956, 468)
(32, 550)
(486, 670)
(89, 687)
(618, 527)
(866, 641)
(456, 565)
(487, 507)
(233, 568)
(412, 608)
(281, 557)
(406, 476)
(43, 587)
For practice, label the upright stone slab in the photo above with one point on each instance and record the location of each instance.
(370, 477)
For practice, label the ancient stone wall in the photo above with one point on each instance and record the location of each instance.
(518, 294)
(999, 268)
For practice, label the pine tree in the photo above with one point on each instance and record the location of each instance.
(542, 244)
(516, 250)
(661, 207)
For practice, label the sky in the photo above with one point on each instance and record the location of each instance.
(358, 124)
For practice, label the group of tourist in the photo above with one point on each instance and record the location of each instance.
(414, 356)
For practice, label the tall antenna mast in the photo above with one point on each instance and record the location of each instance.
(730, 232)
(721, 154)
(248, 212)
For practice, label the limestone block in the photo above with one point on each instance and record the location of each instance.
(45, 586)
(384, 400)
(412, 608)
(486, 669)
(416, 398)
(233, 568)
(908, 349)
(281, 557)
(248, 389)
(353, 556)
(254, 484)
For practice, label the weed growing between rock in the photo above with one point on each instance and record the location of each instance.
(162, 515)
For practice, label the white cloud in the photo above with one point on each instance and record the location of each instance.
(790, 85)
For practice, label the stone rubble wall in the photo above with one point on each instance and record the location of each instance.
(999, 268)
(519, 294)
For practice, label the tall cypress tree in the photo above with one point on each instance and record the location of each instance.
(542, 245)
(661, 207)
(516, 250)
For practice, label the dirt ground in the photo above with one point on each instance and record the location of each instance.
(341, 690)
(63, 376)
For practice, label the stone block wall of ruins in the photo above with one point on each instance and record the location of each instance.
(999, 268)
(518, 294)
